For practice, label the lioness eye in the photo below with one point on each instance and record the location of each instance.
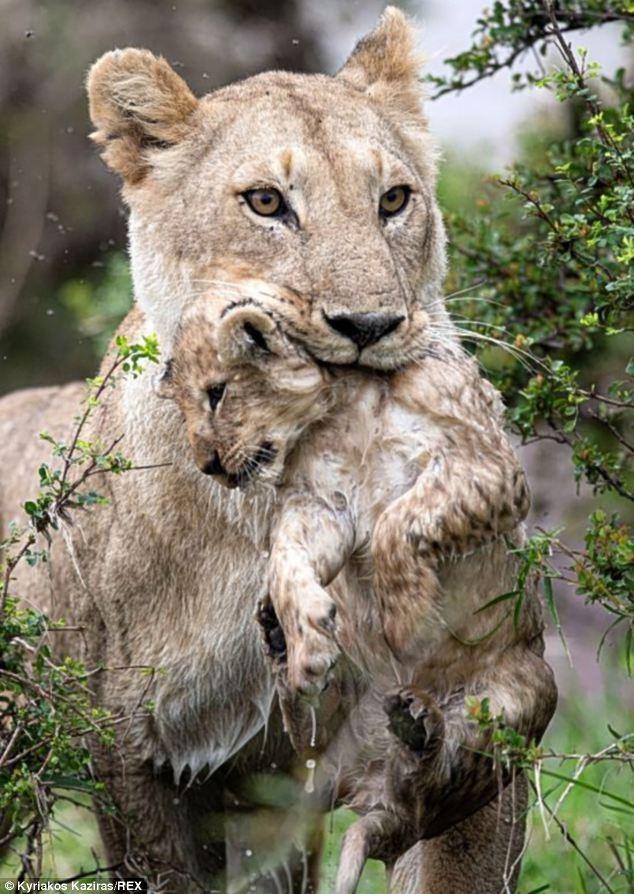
(214, 394)
(266, 202)
(394, 200)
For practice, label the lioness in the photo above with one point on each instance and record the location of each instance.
(324, 185)
(391, 476)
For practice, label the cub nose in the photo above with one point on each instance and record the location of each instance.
(365, 328)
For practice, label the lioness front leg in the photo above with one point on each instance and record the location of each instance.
(150, 832)
(312, 541)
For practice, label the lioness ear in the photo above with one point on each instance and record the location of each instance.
(385, 64)
(137, 102)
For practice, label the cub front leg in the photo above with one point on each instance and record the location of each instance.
(312, 541)
(307, 618)
(472, 491)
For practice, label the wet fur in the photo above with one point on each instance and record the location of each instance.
(171, 569)
(399, 487)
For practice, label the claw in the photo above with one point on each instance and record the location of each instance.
(414, 719)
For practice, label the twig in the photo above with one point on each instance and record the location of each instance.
(564, 831)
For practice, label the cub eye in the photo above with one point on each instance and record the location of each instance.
(394, 200)
(266, 202)
(214, 394)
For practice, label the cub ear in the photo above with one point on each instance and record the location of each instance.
(137, 102)
(246, 334)
(385, 64)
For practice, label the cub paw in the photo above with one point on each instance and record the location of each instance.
(310, 663)
(272, 633)
(312, 647)
(415, 719)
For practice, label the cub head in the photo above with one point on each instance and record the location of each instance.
(322, 185)
(246, 391)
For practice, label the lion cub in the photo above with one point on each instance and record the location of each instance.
(399, 473)
(394, 493)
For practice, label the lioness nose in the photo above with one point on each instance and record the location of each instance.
(366, 328)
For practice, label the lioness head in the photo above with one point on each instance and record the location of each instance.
(246, 391)
(322, 185)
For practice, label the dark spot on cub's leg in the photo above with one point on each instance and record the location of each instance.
(328, 621)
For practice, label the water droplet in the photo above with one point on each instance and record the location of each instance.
(309, 788)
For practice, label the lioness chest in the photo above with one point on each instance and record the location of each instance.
(182, 570)
(163, 580)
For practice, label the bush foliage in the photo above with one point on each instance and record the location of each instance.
(546, 259)
(542, 276)
(47, 712)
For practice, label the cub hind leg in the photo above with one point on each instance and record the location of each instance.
(481, 854)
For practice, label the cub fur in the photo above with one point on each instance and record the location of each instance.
(394, 479)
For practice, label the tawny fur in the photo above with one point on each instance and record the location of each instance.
(171, 569)
(394, 479)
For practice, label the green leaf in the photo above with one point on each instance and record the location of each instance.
(502, 598)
